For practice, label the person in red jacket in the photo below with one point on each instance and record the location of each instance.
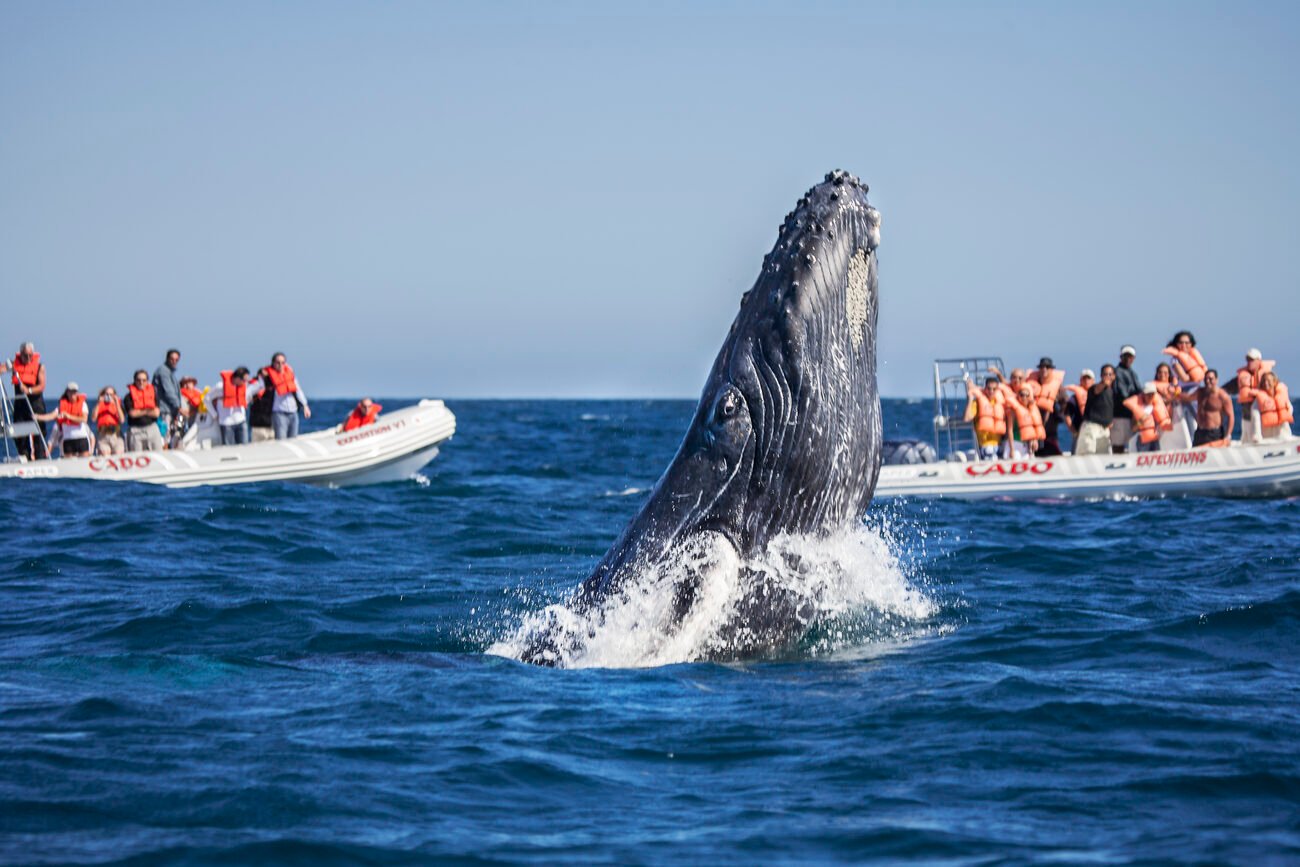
(29, 396)
(364, 413)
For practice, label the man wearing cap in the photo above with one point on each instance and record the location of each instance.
(73, 418)
(1127, 384)
(1098, 416)
(29, 396)
(1248, 378)
(141, 405)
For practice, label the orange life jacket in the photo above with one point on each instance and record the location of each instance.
(1080, 396)
(1046, 397)
(1149, 424)
(361, 418)
(1248, 383)
(232, 396)
(1030, 422)
(193, 395)
(1009, 391)
(1274, 408)
(1192, 361)
(1167, 390)
(992, 418)
(27, 373)
(143, 398)
(69, 408)
(108, 413)
(282, 380)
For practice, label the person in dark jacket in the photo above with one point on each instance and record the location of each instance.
(1127, 384)
(168, 389)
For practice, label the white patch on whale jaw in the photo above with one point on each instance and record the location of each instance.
(855, 297)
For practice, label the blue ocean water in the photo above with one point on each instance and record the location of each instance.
(285, 674)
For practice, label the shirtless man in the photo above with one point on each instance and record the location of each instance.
(1214, 417)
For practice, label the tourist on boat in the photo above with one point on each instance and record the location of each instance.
(1095, 436)
(987, 410)
(142, 412)
(260, 414)
(1150, 417)
(1248, 379)
(1050, 446)
(1179, 435)
(1047, 380)
(1127, 384)
(167, 389)
(108, 422)
(231, 400)
(1077, 399)
(1274, 404)
(1214, 416)
(29, 397)
(288, 397)
(364, 413)
(72, 422)
(1027, 433)
(1011, 388)
(1189, 365)
(191, 404)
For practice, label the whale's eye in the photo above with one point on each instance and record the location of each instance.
(728, 405)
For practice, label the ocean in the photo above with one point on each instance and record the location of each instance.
(282, 674)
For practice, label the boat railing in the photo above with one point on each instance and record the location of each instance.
(954, 437)
(11, 429)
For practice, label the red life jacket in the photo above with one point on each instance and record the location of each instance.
(282, 380)
(361, 417)
(1080, 396)
(1149, 424)
(1046, 397)
(232, 396)
(27, 373)
(992, 418)
(1030, 422)
(1274, 408)
(1248, 383)
(143, 398)
(193, 395)
(108, 413)
(69, 408)
(1193, 363)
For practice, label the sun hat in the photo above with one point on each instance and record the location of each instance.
(1254, 354)
(1126, 349)
(1149, 388)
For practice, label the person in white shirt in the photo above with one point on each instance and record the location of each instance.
(231, 400)
(288, 397)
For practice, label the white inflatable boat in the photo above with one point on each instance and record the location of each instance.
(393, 448)
(1269, 469)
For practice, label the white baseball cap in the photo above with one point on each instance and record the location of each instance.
(1253, 354)
(1149, 388)
(1126, 349)
(72, 386)
(1087, 371)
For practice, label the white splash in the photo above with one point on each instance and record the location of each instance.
(849, 590)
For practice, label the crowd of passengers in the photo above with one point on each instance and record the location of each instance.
(154, 413)
(1184, 406)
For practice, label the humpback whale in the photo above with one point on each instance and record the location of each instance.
(786, 438)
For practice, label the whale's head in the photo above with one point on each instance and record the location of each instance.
(787, 434)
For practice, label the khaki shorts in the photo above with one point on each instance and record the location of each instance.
(144, 439)
(111, 444)
(263, 434)
(1120, 430)
(1092, 440)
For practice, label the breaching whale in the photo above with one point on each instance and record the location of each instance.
(787, 435)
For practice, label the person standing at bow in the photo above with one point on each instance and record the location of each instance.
(1126, 385)
(73, 421)
(1275, 411)
(1213, 413)
(29, 397)
(141, 404)
(1249, 377)
(289, 397)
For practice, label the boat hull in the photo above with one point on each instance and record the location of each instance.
(395, 447)
(1261, 470)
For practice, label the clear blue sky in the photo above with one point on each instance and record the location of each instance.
(558, 199)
